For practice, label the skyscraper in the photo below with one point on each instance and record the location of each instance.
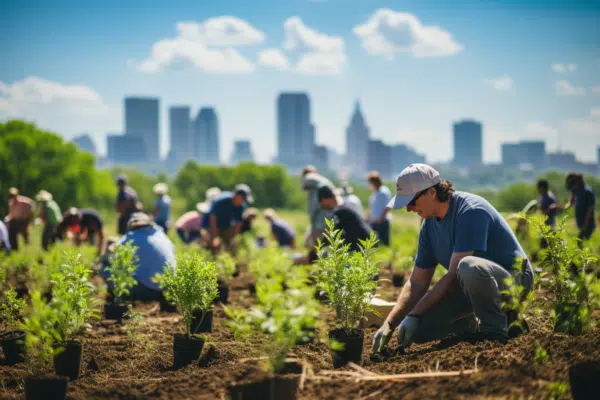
(180, 129)
(206, 137)
(85, 143)
(468, 147)
(295, 132)
(125, 149)
(142, 120)
(242, 151)
(357, 142)
(531, 152)
(380, 158)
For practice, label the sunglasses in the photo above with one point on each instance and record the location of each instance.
(413, 202)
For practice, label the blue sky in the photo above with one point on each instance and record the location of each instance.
(527, 69)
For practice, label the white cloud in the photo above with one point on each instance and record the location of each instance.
(388, 32)
(502, 83)
(562, 68)
(565, 88)
(273, 58)
(595, 89)
(541, 130)
(582, 134)
(319, 53)
(208, 46)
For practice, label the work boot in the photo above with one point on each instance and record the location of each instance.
(515, 330)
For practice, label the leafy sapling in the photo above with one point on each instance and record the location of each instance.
(11, 311)
(225, 264)
(122, 267)
(39, 327)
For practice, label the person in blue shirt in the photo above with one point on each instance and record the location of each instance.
(127, 203)
(224, 219)
(281, 231)
(584, 201)
(468, 237)
(154, 251)
(379, 216)
(547, 202)
(162, 207)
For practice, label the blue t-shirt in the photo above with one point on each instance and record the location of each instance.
(128, 196)
(584, 199)
(544, 202)
(163, 206)
(284, 232)
(155, 250)
(471, 224)
(226, 213)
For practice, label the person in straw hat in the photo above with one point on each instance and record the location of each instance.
(20, 215)
(51, 216)
(189, 225)
(162, 207)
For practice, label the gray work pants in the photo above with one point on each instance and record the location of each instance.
(477, 294)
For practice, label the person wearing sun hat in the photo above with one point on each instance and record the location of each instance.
(162, 206)
(466, 235)
(189, 225)
(20, 215)
(51, 216)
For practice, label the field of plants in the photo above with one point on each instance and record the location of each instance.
(259, 326)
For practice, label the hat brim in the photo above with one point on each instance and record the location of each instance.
(203, 207)
(399, 201)
(249, 199)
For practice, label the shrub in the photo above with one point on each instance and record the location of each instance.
(39, 327)
(225, 264)
(123, 264)
(347, 277)
(11, 311)
(192, 284)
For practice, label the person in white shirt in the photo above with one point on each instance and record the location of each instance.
(379, 215)
(350, 199)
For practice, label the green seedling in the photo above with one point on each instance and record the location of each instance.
(541, 355)
(11, 311)
(123, 264)
(39, 326)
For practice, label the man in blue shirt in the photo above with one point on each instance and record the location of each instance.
(224, 219)
(547, 202)
(162, 207)
(127, 203)
(584, 200)
(467, 236)
(379, 216)
(282, 231)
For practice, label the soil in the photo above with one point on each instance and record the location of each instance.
(116, 366)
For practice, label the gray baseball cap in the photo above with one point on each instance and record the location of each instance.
(245, 191)
(412, 180)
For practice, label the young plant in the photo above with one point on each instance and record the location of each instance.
(517, 298)
(123, 264)
(192, 284)
(541, 355)
(225, 264)
(39, 327)
(72, 298)
(134, 318)
(11, 311)
(347, 277)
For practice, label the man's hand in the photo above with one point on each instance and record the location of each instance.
(382, 337)
(407, 330)
(216, 242)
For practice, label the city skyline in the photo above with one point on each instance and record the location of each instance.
(526, 70)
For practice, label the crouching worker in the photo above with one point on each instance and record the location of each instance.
(468, 237)
(154, 251)
(85, 225)
(281, 231)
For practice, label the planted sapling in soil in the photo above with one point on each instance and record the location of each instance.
(347, 279)
(123, 264)
(12, 338)
(225, 264)
(191, 284)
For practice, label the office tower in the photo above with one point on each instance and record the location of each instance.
(525, 152)
(357, 142)
(125, 149)
(379, 158)
(142, 120)
(321, 157)
(402, 156)
(295, 132)
(468, 147)
(206, 137)
(85, 143)
(242, 151)
(180, 129)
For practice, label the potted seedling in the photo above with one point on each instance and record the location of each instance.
(225, 264)
(347, 278)
(191, 284)
(74, 307)
(283, 316)
(40, 333)
(13, 339)
(122, 266)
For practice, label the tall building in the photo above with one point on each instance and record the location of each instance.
(357, 142)
(380, 158)
(242, 151)
(125, 149)
(511, 155)
(142, 120)
(180, 129)
(402, 156)
(468, 146)
(295, 132)
(206, 137)
(85, 143)
(321, 157)
(531, 153)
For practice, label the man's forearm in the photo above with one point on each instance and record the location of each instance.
(409, 296)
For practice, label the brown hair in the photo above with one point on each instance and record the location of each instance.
(374, 178)
(444, 190)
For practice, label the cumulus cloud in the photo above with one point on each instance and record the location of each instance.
(565, 88)
(273, 58)
(319, 53)
(562, 68)
(388, 32)
(502, 83)
(208, 46)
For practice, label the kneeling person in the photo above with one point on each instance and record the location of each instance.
(467, 236)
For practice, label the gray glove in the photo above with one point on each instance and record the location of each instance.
(407, 330)
(382, 337)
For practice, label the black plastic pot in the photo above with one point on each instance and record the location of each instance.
(202, 325)
(275, 388)
(13, 346)
(584, 378)
(223, 289)
(397, 280)
(68, 361)
(353, 346)
(46, 387)
(186, 349)
(115, 312)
